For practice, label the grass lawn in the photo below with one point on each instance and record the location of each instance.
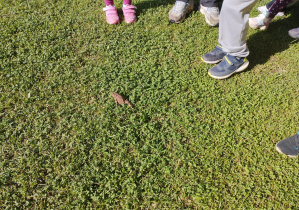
(189, 142)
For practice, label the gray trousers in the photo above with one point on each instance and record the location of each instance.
(233, 26)
(206, 3)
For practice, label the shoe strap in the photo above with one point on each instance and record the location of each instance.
(109, 8)
(130, 8)
(231, 61)
(228, 61)
(110, 11)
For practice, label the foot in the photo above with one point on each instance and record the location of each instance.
(228, 66)
(215, 56)
(129, 13)
(294, 33)
(263, 8)
(260, 22)
(289, 146)
(211, 15)
(178, 13)
(111, 14)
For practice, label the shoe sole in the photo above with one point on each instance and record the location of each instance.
(183, 18)
(278, 150)
(172, 21)
(241, 68)
(113, 23)
(211, 62)
(131, 22)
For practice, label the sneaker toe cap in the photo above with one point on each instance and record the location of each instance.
(217, 71)
(287, 148)
(113, 21)
(210, 57)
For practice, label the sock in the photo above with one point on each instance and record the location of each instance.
(109, 3)
(127, 2)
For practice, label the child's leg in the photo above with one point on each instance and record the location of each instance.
(233, 26)
(277, 6)
(269, 4)
(127, 2)
(109, 2)
(263, 20)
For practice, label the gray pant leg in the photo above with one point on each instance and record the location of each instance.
(233, 26)
(210, 3)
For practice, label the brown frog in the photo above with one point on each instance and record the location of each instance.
(119, 99)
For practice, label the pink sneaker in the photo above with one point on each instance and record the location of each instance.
(111, 14)
(129, 13)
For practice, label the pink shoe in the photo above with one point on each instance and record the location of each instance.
(111, 14)
(129, 13)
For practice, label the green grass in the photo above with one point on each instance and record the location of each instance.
(190, 142)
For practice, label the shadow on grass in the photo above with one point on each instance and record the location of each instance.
(275, 39)
(143, 6)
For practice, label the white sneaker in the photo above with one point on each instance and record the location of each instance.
(294, 33)
(178, 13)
(261, 22)
(211, 14)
